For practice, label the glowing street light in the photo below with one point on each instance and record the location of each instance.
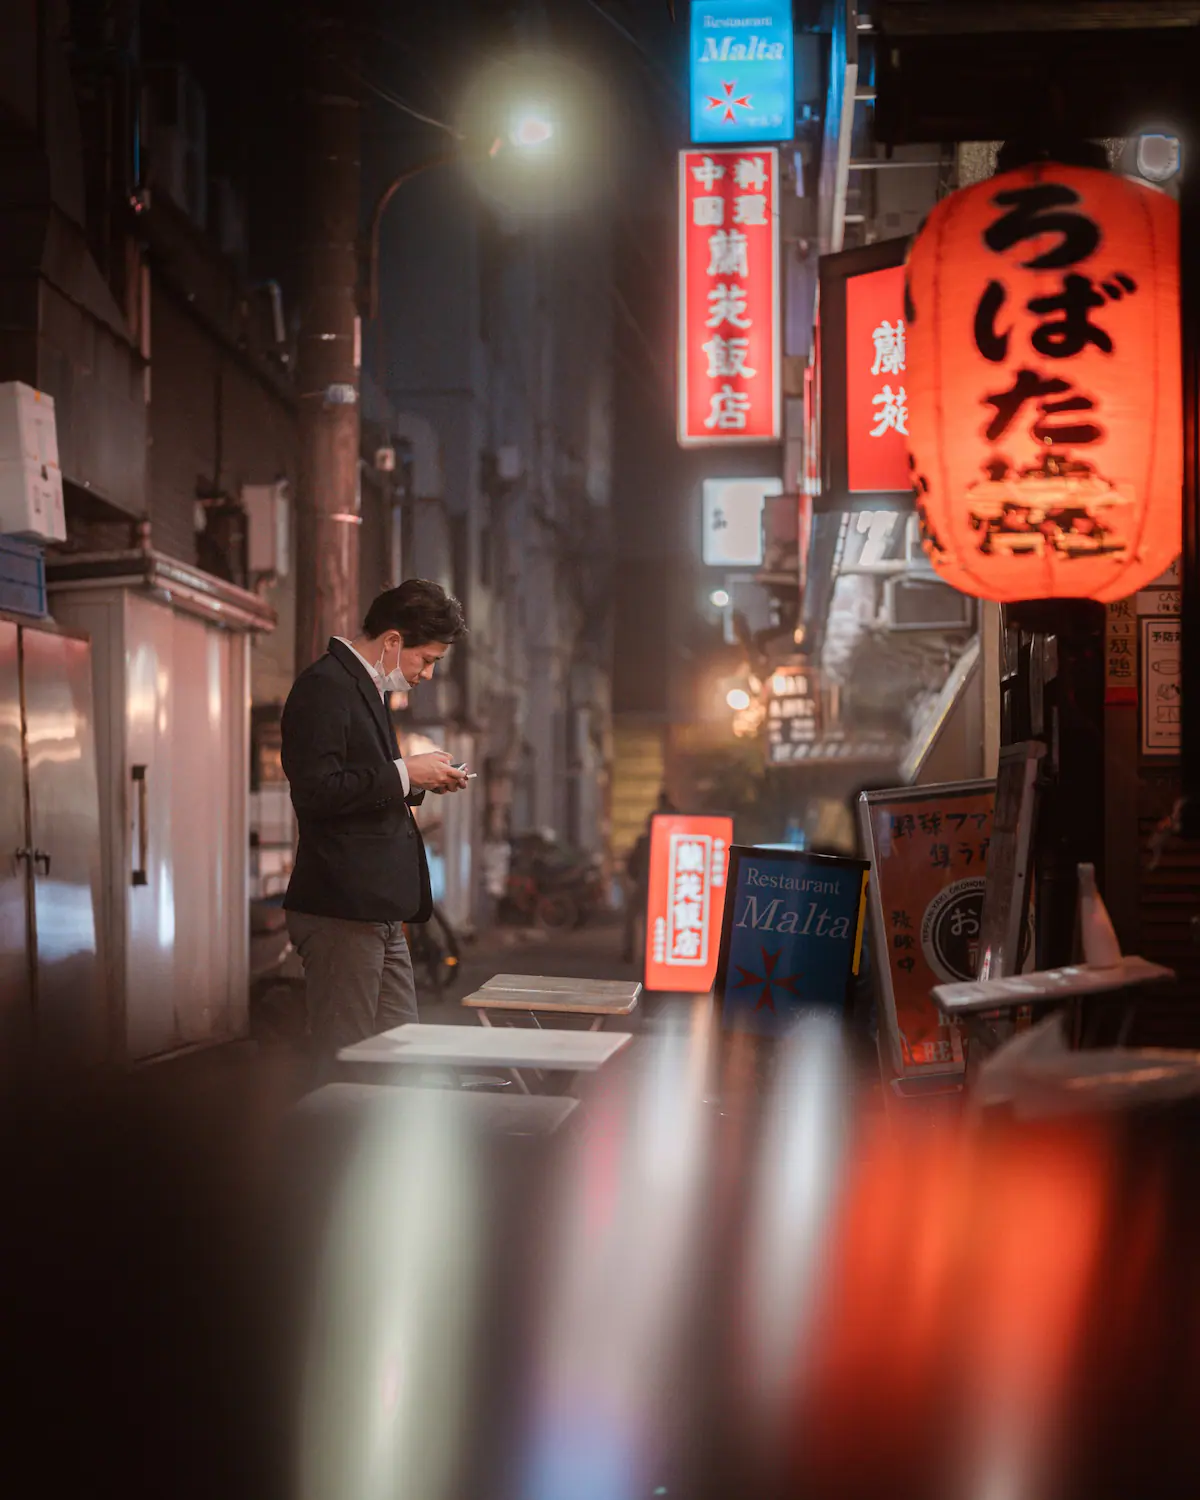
(533, 128)
(738, 699)
(543, 118)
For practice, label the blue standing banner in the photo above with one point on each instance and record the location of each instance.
(742, 72)
(791, 937)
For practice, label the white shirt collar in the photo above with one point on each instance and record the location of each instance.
(370, 665)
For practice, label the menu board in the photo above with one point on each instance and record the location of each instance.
(929, 848)
(791, 937)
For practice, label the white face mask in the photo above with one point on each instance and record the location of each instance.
(393, 681)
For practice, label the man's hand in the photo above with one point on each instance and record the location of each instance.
(434, 772)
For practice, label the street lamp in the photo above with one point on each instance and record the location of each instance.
(531, 128)
(531, 132)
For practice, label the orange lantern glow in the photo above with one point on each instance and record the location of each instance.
(1044, 398)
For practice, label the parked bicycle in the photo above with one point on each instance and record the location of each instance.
(435, 952)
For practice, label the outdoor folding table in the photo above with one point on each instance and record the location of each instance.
(502, 1114)
(534, 994)
(464, 1048)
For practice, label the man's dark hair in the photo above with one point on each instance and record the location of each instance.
(422, 611)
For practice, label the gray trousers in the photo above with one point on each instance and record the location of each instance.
(358, 979)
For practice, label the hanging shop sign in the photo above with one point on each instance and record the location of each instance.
(791, 937)
(1120, 653)
(793, 715)
(864, 378)
(729, 377)
(848, 747)
(1044, 404)
(688, 857)
(741, 79)
(928, 848)
(732, 514)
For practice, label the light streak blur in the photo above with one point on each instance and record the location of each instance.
(625, 1267)
(387, 1372)
(796, 1178)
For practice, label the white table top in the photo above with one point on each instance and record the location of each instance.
(516, 1114)
(1045, 987)
(545, 984)
(584, 1003)
(482, 1046)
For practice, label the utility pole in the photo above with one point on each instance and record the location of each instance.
(327, 502)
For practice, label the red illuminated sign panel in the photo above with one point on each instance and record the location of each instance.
(688, 861)
(729, 382)
(876, 376)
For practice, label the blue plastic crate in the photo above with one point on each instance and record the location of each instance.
(22, 578)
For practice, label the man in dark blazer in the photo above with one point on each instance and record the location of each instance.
(360, 870)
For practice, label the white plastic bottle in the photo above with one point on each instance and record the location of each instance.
(1101, 950)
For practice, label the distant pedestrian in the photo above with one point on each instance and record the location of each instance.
(361, 870)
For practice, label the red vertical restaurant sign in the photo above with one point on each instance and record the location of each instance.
(688, 861)
(729, 381)
(876, 397)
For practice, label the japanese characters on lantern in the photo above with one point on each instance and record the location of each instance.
(876, 383)
(729, 386)
(688, 857)
(1043, 384)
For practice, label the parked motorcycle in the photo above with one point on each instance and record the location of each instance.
(550, 887)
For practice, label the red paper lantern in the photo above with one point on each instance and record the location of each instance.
(1044, 398)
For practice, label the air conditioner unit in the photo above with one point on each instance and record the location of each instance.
(31, 488)
(267, 529)
(914, 602)
(179, 137)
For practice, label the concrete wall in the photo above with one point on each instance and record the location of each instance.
(214, 424)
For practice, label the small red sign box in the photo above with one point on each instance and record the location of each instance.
(689, 858)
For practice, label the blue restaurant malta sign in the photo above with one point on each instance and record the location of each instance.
(791, 939)
(742, 86)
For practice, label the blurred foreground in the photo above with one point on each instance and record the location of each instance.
(727, 1275)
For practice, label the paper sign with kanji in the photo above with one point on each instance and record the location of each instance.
(688, 858)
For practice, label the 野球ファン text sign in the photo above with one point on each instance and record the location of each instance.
(741, 77)
(929, 853)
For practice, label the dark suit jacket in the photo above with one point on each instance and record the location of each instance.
(360, 855)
